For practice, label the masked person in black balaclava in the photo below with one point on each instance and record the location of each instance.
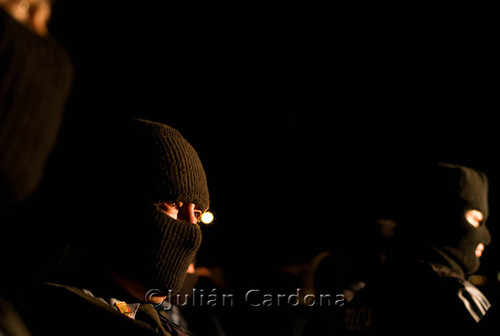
(36, 77)
(132, 245)
(36, 80)
(440, 236)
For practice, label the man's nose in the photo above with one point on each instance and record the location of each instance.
(187, 213)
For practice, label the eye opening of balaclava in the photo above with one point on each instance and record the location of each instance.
(436, 214)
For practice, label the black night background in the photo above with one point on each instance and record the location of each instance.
(307, 133)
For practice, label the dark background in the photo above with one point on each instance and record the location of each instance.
(308, 127)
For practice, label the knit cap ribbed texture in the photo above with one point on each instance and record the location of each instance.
(161, 165)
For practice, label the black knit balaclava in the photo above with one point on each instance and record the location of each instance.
(449, 191)
(36, 79)
(146, 163)
(158, 164)
(157, 249)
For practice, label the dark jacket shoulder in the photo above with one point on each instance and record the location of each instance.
(56, 309)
